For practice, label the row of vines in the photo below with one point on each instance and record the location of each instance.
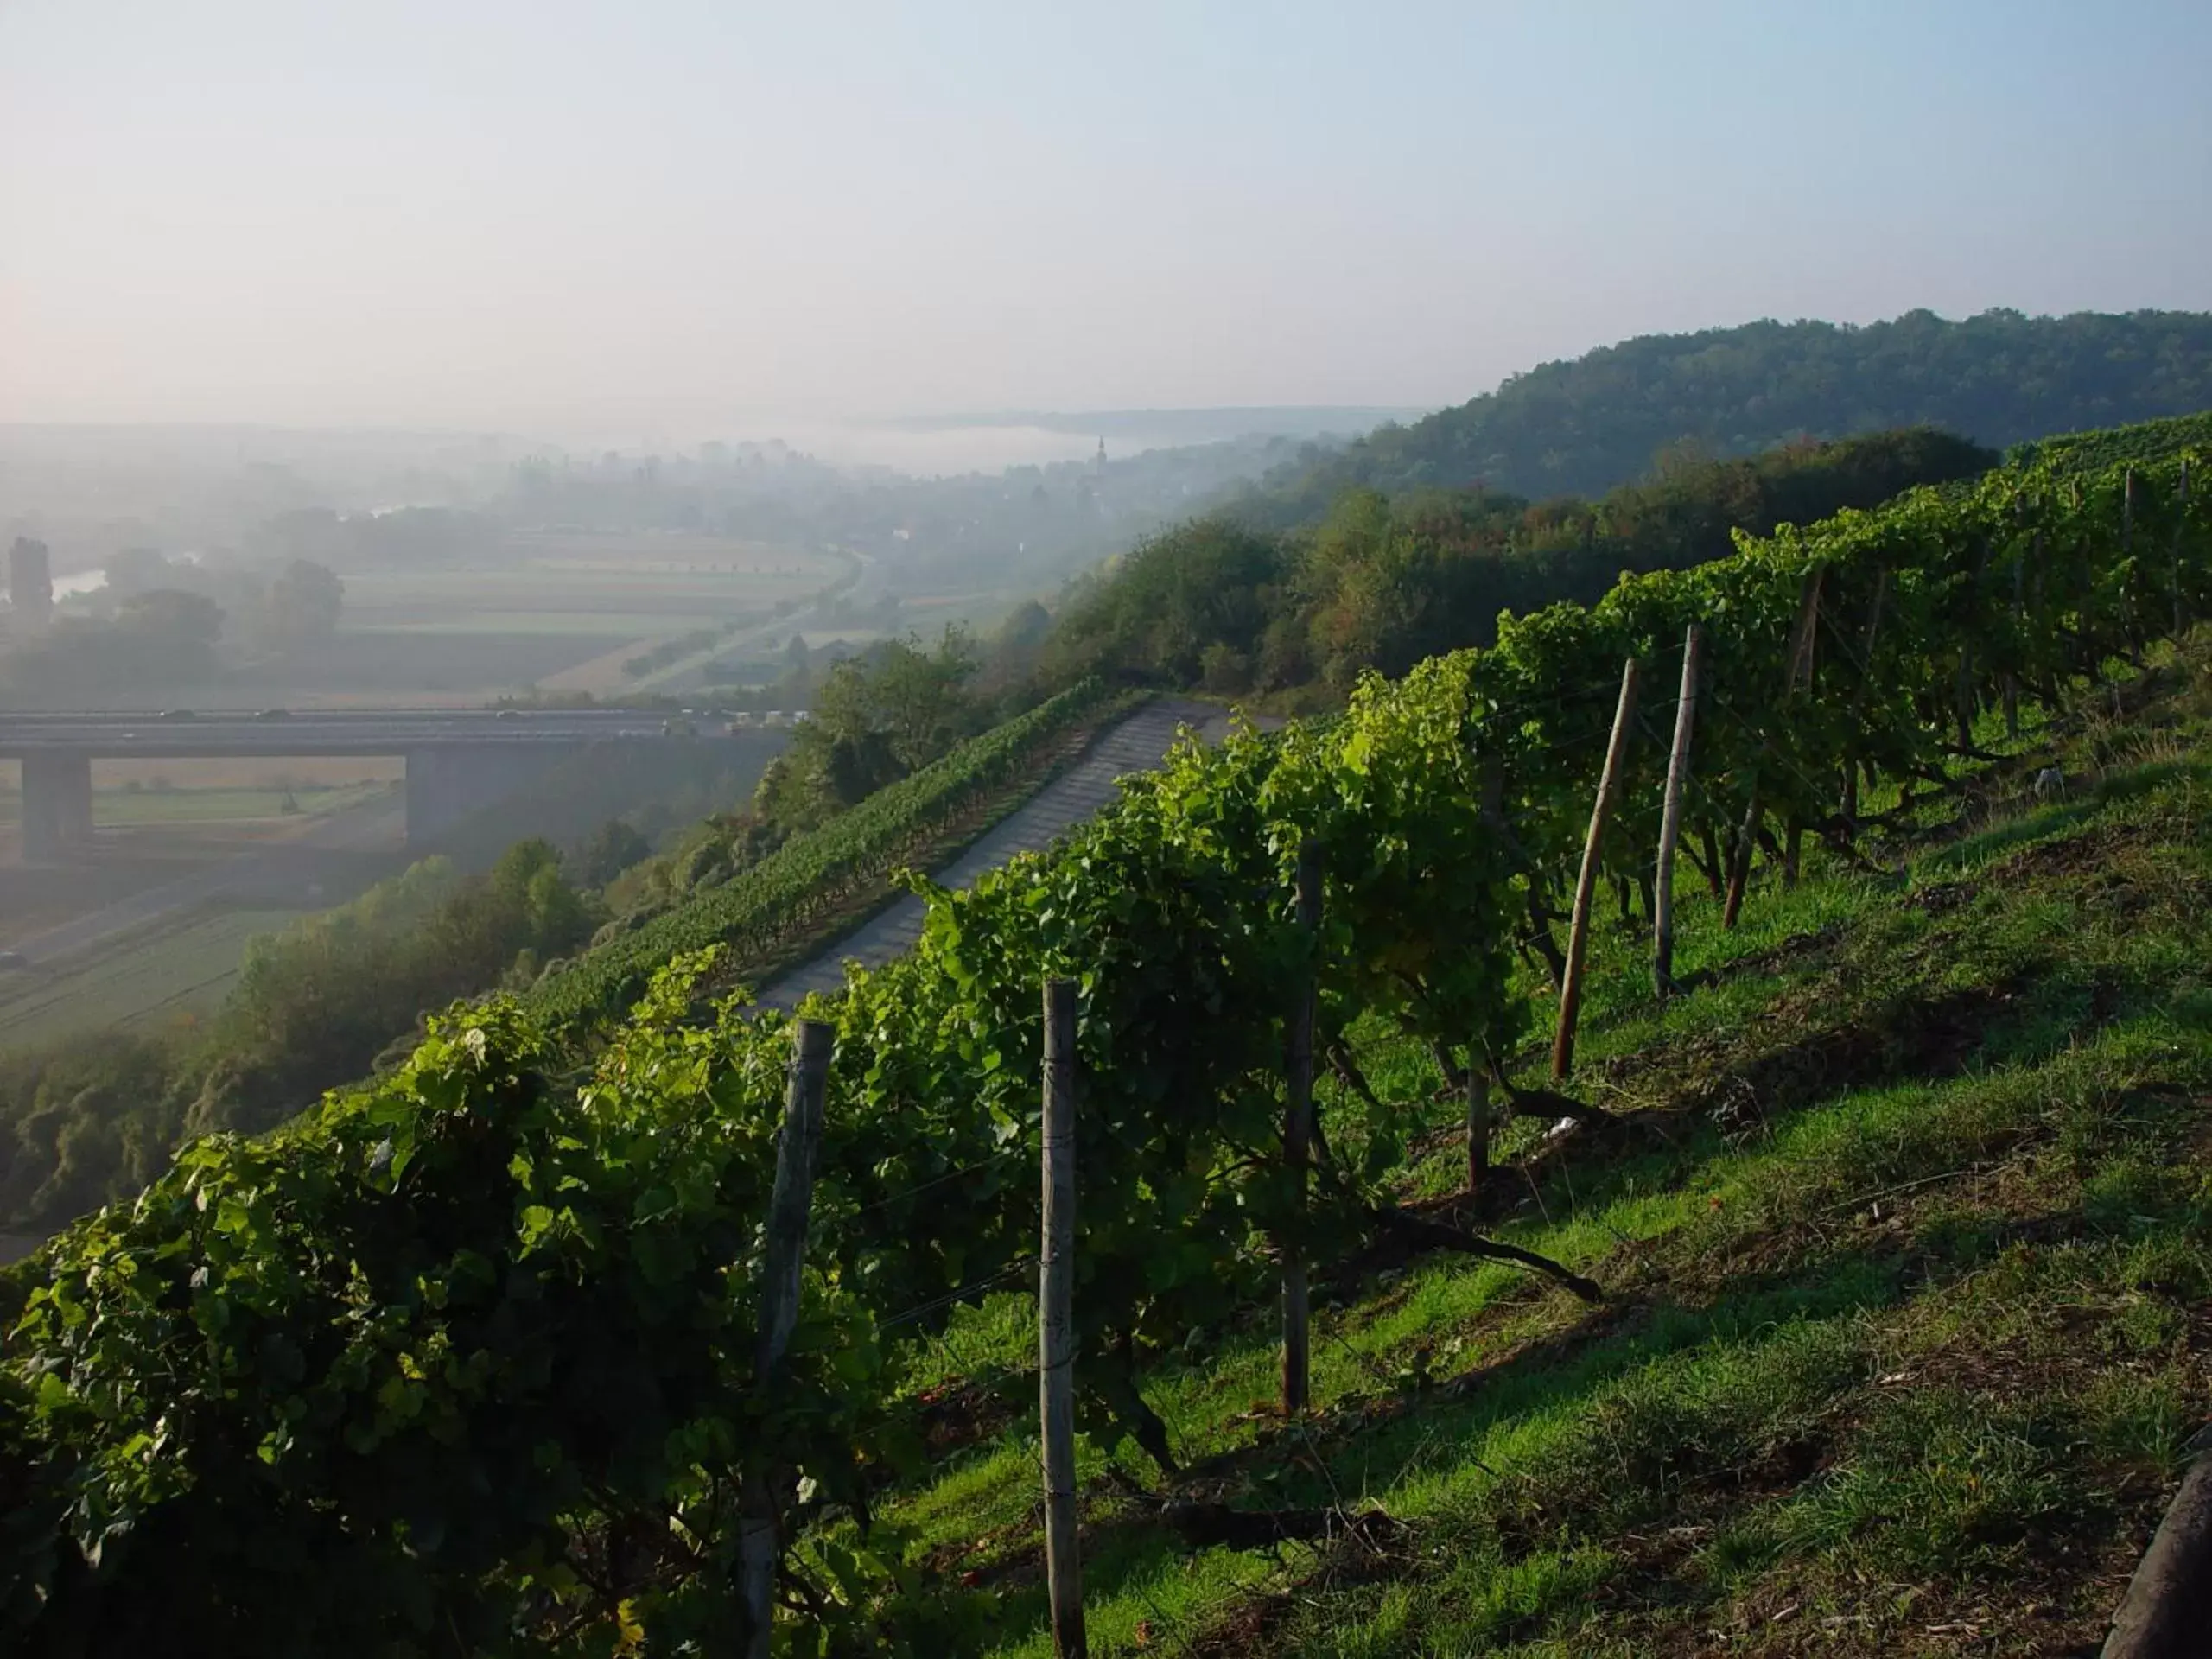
(787, 893)
(465, 1362)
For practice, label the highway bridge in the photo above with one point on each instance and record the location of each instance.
(458, 762)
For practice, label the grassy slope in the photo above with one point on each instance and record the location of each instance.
(1910, 1292)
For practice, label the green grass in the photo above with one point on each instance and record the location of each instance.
(1906, 1233)
(122, 807)
(183, 970)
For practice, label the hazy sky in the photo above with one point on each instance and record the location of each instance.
(557, 217)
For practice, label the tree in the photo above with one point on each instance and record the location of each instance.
(876, 718)
(138, 570)
(172, 617)
(613, 848)
(1202, 583)
(305, 602)
(1595, 423)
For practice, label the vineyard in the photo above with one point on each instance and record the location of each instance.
(2119, 446)
(489, 1357)
(818, 874)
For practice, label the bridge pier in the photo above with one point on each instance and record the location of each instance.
(57, 804)
(454, 781)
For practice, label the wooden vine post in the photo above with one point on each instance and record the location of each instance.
(2173, 554)
(1298, 1137)
(2131, 618)
(1670, 820)
(1965, 704)
(1578, 938)
(2047, 674)
(2019, 612)
(789, 1201)
(1056, 1323)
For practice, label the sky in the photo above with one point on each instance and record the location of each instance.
(696, 216)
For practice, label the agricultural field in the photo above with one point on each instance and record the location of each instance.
(463, 666)
(582, 584)
(561, 611)
(135, 981)
(284, 792)
(229, 807)
(606, 672)
(170, 822)
(297, 773)
(35, 898)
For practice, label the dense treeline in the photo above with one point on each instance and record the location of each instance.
(1586, 425)
(405, 535)
(467, 1362)
(160, 622)
(1383, 582)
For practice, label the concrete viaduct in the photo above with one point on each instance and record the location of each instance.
(458, 761)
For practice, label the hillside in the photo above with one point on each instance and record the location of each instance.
(1882, 1211)
(1901, 1217)
(1582, 427)
(1382, 581)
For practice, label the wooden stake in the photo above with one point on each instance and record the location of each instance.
(1578, 938)
(1298, 1140)
(1801, 638)
(2173, 555)
(2012, 679)
(1056, 1323)
(2129, 619)
(789, 1201)
(1670, 819)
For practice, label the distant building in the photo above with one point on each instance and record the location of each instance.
(30, 584)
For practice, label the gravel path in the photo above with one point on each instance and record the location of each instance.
(1136, 745)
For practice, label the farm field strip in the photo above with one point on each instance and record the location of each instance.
(133, 977)
(604, 672)
(120, 808)
(583, 623)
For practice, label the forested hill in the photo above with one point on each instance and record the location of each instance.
(1585, 426)
(1382, 582)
